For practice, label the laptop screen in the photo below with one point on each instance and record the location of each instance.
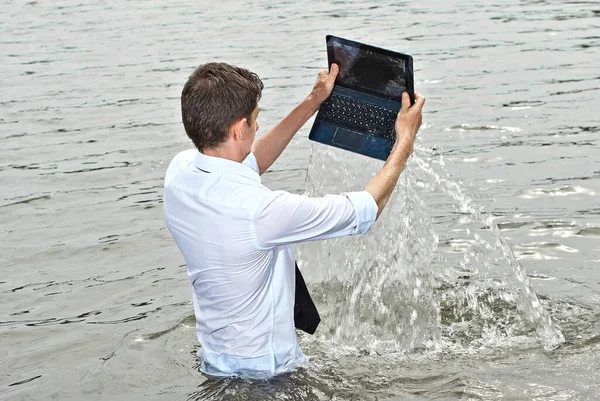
(370, 69)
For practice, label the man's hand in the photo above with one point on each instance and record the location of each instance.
(269, 145)
(407, 123)
(324, 84)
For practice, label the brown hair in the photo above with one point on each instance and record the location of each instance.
(214, 97)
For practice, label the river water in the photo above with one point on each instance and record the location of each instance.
(480, 282)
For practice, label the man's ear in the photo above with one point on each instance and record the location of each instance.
(237, 129)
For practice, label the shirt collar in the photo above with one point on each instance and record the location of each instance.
(218, 165)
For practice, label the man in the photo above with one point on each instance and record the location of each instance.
(237, 236)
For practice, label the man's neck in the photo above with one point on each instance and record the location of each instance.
(224, 152)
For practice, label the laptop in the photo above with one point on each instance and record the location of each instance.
(360, 114)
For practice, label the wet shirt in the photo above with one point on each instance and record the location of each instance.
(237, 238)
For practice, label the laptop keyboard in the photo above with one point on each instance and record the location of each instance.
(359, 115)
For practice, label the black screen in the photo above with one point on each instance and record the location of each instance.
(366, 68)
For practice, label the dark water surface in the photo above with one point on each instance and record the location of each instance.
(94, 297)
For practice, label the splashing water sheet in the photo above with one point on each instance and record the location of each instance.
(394, 291)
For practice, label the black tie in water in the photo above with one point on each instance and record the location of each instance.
(306, 316)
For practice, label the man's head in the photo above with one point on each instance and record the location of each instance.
(219, 102)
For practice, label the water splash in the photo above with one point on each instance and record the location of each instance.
(393, 288)
(529, 304)
(377, 289)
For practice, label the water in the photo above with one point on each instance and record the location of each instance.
(94, 300)
(384, 292)
(548, 334)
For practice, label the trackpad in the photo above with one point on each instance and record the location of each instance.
(348, 138)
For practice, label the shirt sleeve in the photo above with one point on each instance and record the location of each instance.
(286, 218)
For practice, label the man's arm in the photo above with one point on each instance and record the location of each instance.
(269, 146)
(407, 125)
(286, 218)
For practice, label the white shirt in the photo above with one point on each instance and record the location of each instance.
(237, 239)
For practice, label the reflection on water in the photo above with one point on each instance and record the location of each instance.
(94, 297)
(295, 386)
